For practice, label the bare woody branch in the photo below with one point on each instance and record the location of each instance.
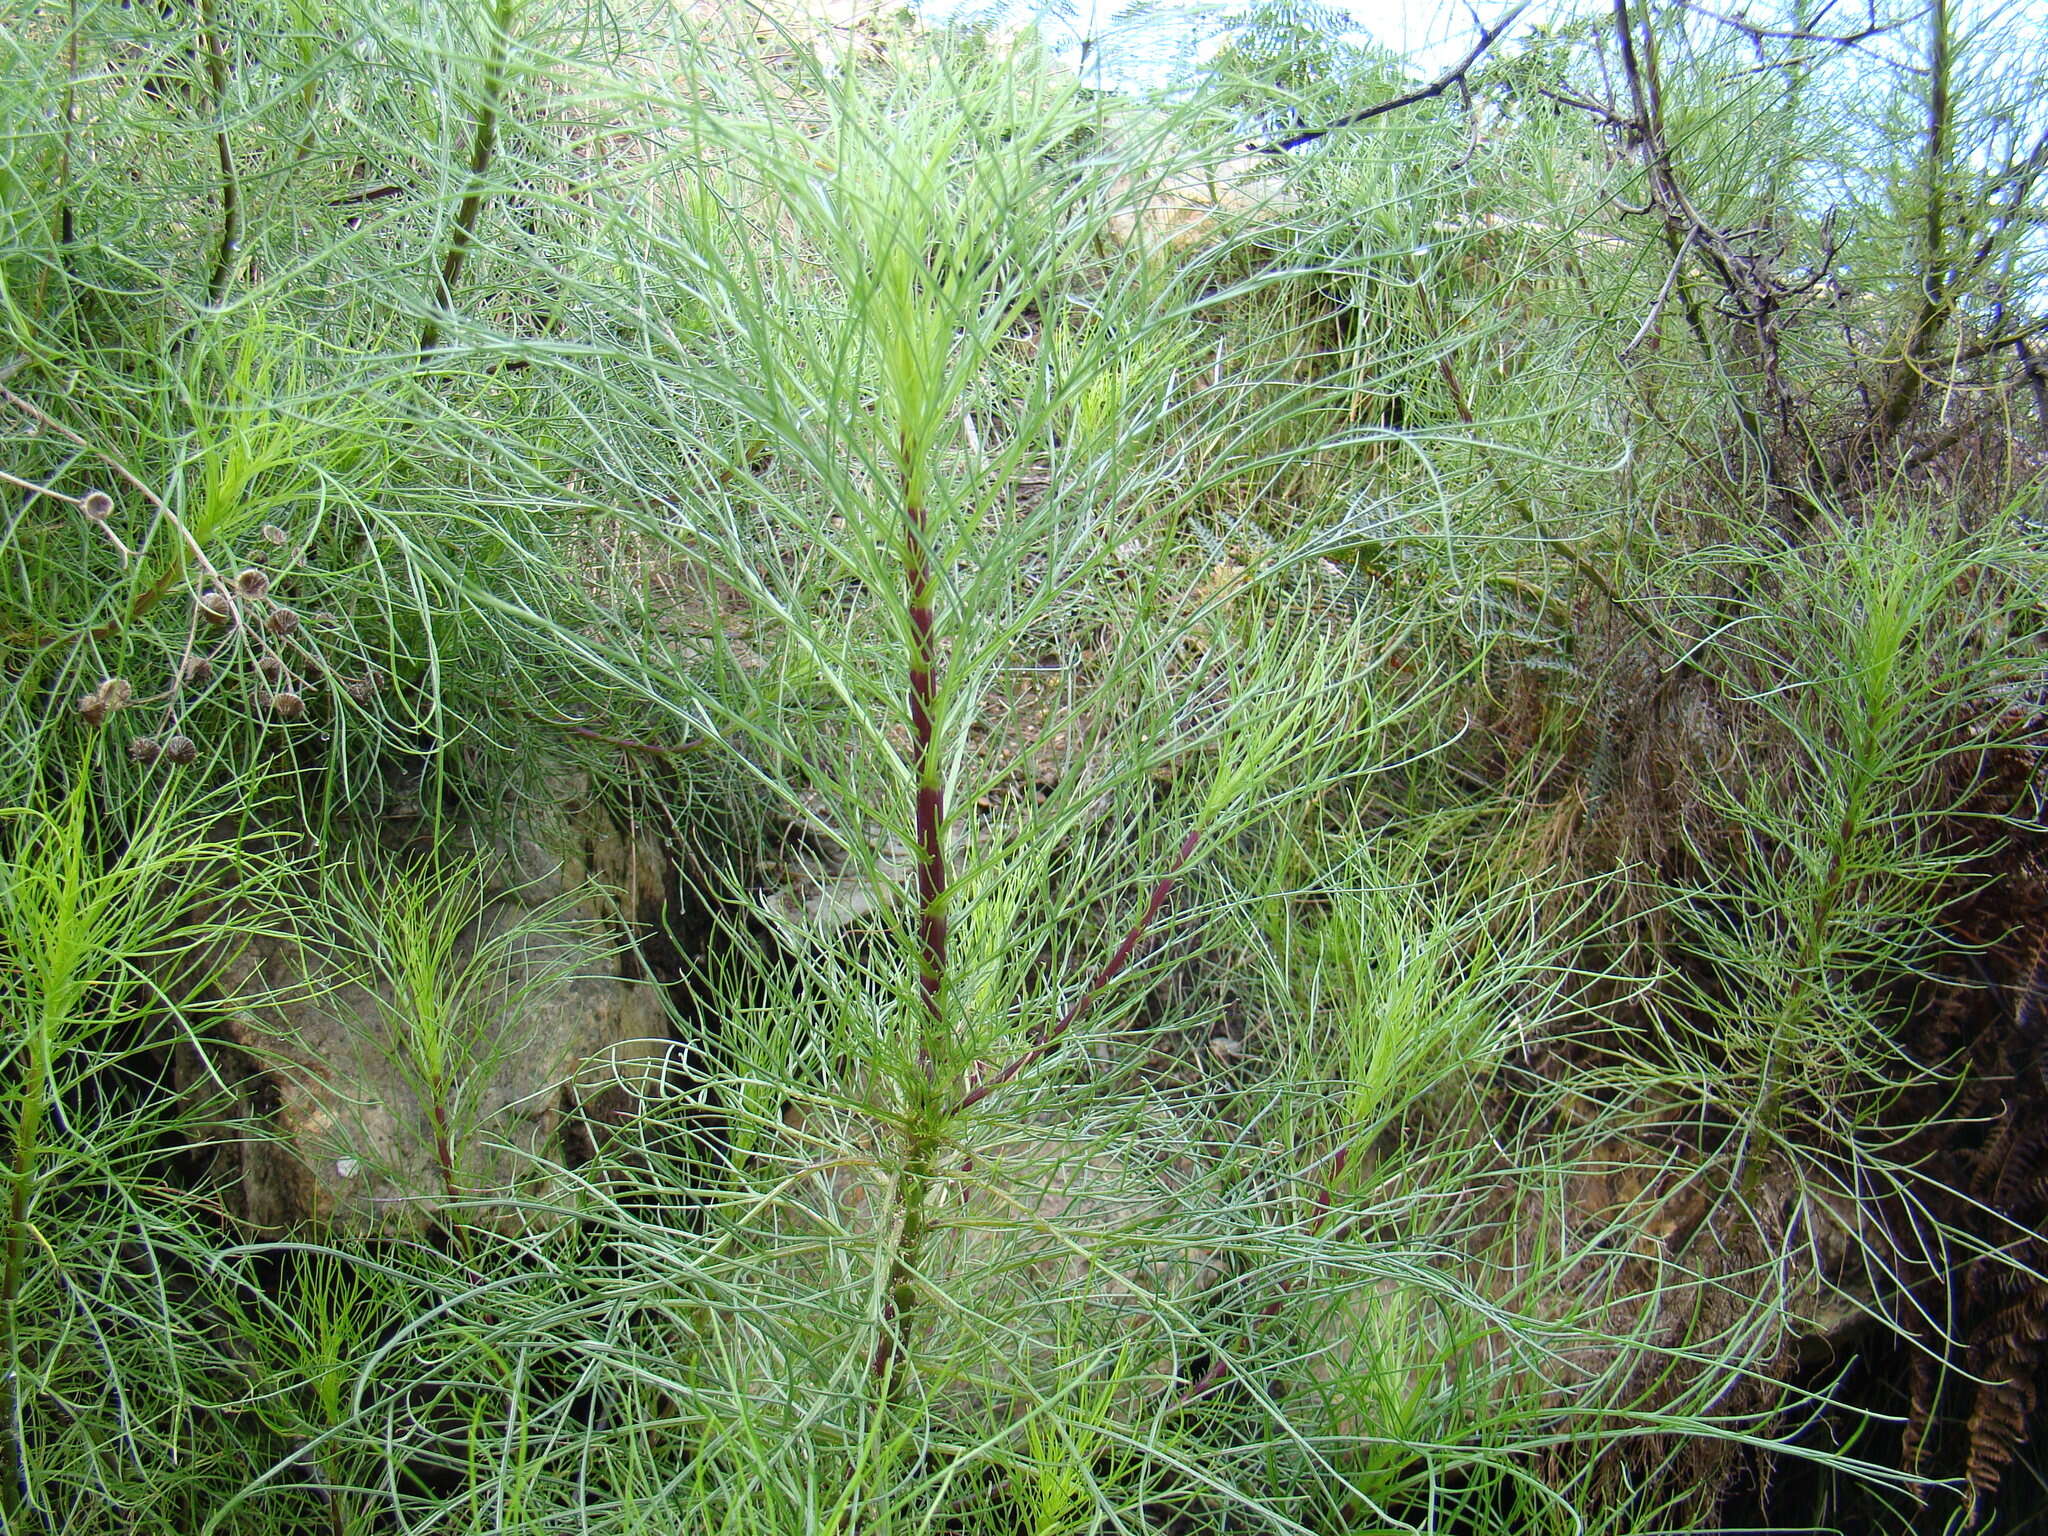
(1872, 28)
(1454, 76)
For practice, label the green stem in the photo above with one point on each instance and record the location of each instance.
(482, 146)
(1771, 1101)
(899, 1299)
(228, 256)
(27, 1139)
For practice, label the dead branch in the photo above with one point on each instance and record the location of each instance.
(2037, 381)
(1607, 115)
(1748, 28)
(1455, 75)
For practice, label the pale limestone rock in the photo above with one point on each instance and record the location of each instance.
(317, 1107)
(1196, 205)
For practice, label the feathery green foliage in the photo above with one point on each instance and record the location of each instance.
(1316, 792)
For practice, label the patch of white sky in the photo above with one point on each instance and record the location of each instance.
(1135, 44)
(1150, 44)
(1140, 44)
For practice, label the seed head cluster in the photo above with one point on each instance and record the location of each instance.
(240, 631)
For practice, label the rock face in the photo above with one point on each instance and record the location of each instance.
(416, 1053)
(1194, 205)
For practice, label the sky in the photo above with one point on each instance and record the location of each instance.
(1145, 49)
(1138, 43)
(2005, 40)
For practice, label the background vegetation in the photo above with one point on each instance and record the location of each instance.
(1356, 833)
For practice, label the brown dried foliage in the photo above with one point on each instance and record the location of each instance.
(1983, 1148)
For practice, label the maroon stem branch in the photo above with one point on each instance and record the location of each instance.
(1112, 968)
(930, 815)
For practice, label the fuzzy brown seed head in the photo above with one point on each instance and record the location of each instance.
(97, 506)
(270, 666)
(214, 607)
(282, 621)
(195, 669)
(272, 534)
(179, 749)
(145, 749)
(252, 582)
(113, 693)
(287, 705)
(362, 689)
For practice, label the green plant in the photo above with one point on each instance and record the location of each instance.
(98, 916)
(938, 239)
(1859, 671)
(454, 962)
(1314, 903)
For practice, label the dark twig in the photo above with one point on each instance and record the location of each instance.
(373, 195)
(1793, 34)
(1978, 350)
(1755, 294)
(1455, 75)
(1607, 115)
(67, 225)
(2037, 381)
(623, 743)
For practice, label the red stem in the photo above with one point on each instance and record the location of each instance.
(930, 812)
(1113, 968)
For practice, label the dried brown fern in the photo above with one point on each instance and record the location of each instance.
(1985, 1150)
